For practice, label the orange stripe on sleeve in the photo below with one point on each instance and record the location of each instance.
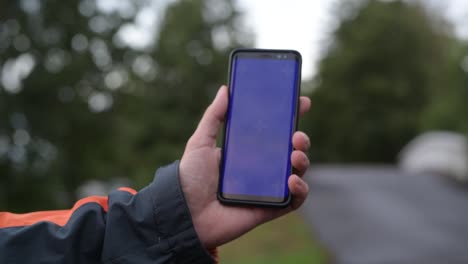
(126, 189)
(58, 217)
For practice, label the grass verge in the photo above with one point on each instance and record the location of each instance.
(286, 240)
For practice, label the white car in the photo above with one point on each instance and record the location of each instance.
(439, 152)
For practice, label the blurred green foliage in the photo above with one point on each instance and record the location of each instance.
(392, 70)
(447, 106)
(79, 100)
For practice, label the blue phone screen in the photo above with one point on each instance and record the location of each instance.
(259, 127)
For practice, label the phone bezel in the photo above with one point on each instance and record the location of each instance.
(235, 199)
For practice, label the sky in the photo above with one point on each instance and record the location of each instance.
(305, 25)
(302, 25)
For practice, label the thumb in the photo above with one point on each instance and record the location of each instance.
(207, 130)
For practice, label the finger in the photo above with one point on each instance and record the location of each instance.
(300, 162)
(301, 141)
(207, 130)
(299, 191)
(304, 105)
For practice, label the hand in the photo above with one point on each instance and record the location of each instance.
(214, 222)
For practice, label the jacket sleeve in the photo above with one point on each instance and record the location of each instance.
(151, 226)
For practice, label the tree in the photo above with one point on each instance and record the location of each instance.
(55, 110)
(446, 109)
(79, 102)
(374, 82)
(192, 54)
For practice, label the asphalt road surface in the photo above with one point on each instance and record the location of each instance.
(377, 214)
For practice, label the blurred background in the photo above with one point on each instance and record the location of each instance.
(95, 94)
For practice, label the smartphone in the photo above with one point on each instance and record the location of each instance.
(264, 88)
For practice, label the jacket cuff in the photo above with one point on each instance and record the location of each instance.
(173, 220)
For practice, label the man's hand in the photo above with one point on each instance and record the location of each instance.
(214, 222)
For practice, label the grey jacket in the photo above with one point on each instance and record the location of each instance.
(151, 226)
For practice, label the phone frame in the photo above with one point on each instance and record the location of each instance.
(268, 53)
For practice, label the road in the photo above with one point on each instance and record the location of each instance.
(377, 214)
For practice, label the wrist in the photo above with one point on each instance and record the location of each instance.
(173, 219)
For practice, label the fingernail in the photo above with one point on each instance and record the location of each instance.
(219, 90)
(304, 186)
(300, 186)
(307, 142)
